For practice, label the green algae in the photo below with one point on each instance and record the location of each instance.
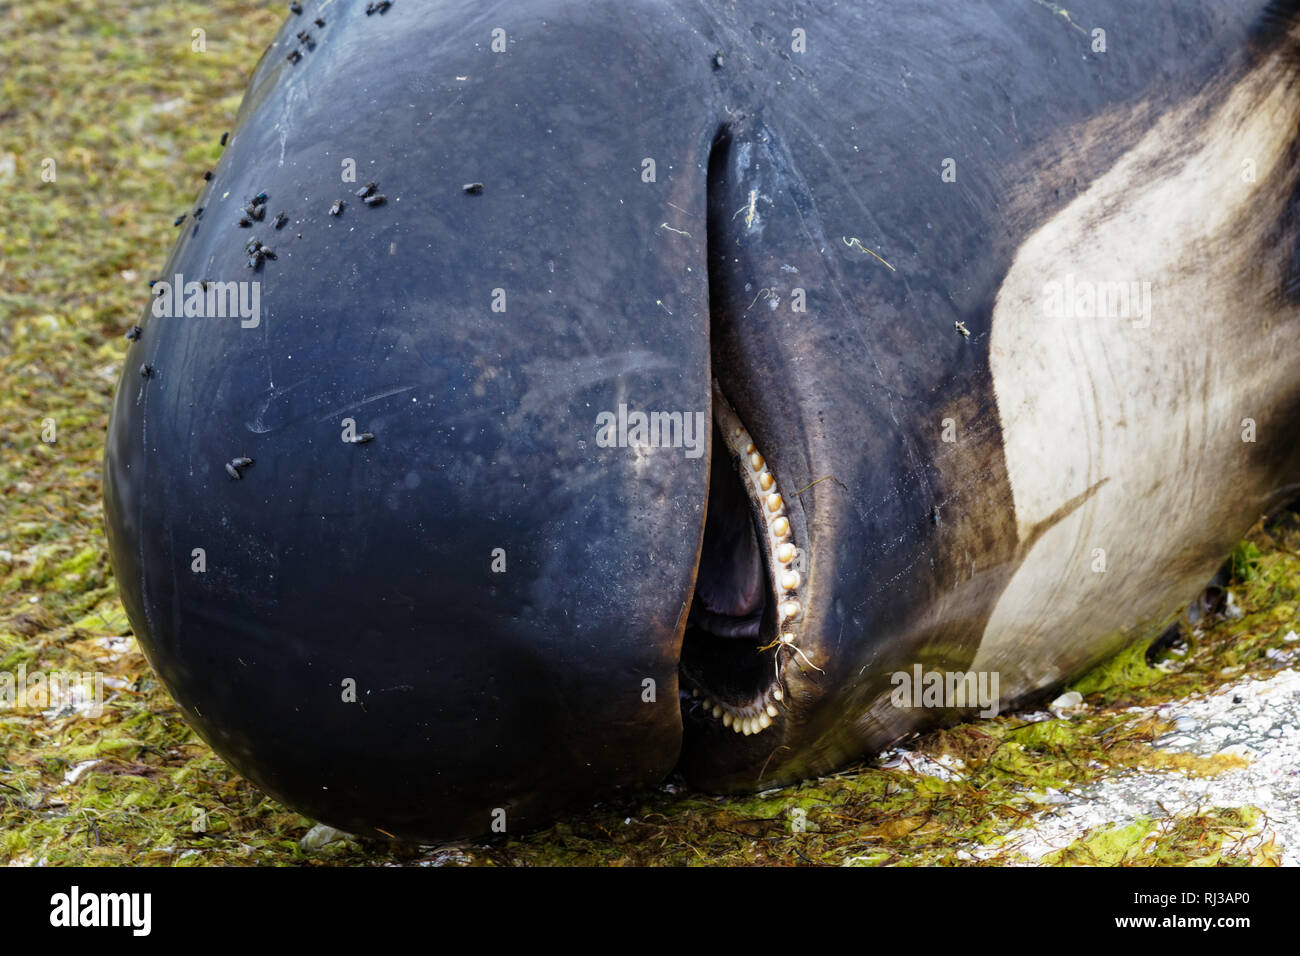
(1214, 837)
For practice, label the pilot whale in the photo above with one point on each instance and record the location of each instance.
(645, 386)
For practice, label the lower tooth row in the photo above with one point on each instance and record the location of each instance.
(752, 720)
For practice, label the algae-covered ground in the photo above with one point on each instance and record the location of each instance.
(108, 118)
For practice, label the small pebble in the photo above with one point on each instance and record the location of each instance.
(1070, 700)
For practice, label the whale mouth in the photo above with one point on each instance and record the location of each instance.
(742, 628)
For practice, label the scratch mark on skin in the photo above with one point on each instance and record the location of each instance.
(814, 228)
(1060, 11)
(762, 294)
(680, 232)
(378, 396)
(555, 379)
(257, 426)
(660, 303)
(848, 190)
(855, 242)
(683, 211)
(296, 92)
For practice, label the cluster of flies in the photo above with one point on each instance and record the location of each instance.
(366, 194)
(255, 211)
(304, 38)
(258, 253)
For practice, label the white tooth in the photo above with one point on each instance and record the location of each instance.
(747, 728)
(740, 432)
(756, 461)
(717, 711)
(764, 721)
(785, 553)
(749, 449)
(766, 481)
(781, 527)
(774, 503)
(771, 708)
(727, 719)
(790, 580)
(787, 638)
(695, 692)
(778, 694)
(737, 726)
(789, 609)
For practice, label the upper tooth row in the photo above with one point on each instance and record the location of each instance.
(782, 549)
(783, 556)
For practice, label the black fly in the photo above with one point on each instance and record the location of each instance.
(233, 466)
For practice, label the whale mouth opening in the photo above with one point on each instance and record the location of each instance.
(745, 613)
(744, 599)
